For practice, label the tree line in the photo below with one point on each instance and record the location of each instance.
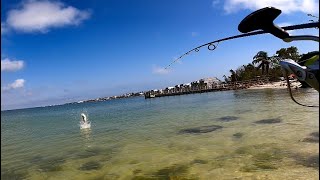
(264, 65)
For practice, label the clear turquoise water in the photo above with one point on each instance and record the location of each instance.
(141, 138)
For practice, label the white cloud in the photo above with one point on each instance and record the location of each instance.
(284, 24)
(19, 83)
(39, 16)
(287, 6)
(159, 70)
(309, 31)
(291, 32)
(8, 65)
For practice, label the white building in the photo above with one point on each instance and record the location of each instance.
(212, 81)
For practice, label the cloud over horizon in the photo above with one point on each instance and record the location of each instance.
(287, 6)
(19, 83)
(40, 16)
(159, 70)
(9, 65)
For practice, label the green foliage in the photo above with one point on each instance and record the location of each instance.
(289, 53)
(269, 65)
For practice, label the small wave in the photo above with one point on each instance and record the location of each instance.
(85, 125)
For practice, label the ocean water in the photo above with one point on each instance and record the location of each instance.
(244, 134)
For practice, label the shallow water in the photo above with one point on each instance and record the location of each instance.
(262, 134)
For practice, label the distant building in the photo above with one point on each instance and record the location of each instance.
(211, 81)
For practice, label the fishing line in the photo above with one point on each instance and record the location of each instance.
(213, 45)
(290, 92)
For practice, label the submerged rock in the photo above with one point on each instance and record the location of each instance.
(201, 129)
(52, 164)
(228, 118)
(307, 160)
(313, 138)
(172, 172)
(238, 135)
(315, 134)
(136, 171)
(199, 161)
(269, 121)
(92, 165)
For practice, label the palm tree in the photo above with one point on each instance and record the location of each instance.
(247, 72)
(262, 58)
(289, 53)
(194, 85)
(225, 78)
(233, 75)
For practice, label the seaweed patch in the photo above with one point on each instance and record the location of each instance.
(314, 134)
(307, 160)
(137, 171)
(313, 138)
(238, 135)
(172, 172)
(269, 121)
(52, 164)
(201, 129)
(199, 161)
(92, 165)
(228, 118)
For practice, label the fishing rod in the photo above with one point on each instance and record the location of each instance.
(212, 46)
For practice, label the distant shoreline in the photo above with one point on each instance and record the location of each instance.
(236, 85)
(269, 85)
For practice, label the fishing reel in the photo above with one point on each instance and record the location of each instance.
(263, 20)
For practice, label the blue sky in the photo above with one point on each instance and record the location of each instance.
(54, 52)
